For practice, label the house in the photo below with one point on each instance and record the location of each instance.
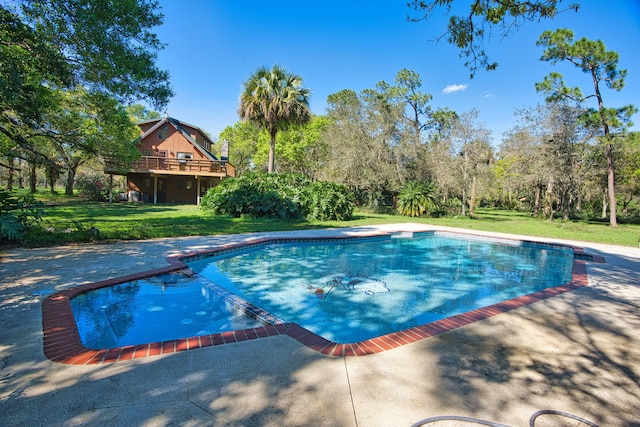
(176, 164)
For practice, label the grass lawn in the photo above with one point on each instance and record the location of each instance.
(70, 219)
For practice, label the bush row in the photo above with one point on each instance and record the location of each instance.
(281, 196)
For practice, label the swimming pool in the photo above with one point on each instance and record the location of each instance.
(344, 290)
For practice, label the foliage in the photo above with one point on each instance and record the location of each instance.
(139, 113)
(484, 18)
(547, 162)
(375, 141)
(328, 201)
(253, 195)
(243, 137)
(628, 170)
(381, 138)
(592, 58)
(274, 99)
(472, 147)
(18, 213)
(366, 141)
(50, 49)
(301, 149)
(30, 69)
(93, 186)
(408, 83)
(417, 198)
(281, 196)
(108, 45)
(87, 125)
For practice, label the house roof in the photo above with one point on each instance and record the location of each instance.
(178, 125)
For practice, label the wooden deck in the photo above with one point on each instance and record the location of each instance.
(171, 166)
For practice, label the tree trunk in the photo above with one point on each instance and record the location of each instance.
(549, 200)
(52, 174)
(472, 199)
(464, 201)
(111, 189)
(465, 177)
(10, 174)
(625, 206)
(613, 220)
(604, 205)
(536, 203)
(71, 178)
(272, 152)
(20, 180)
(33, 177)
(566, 202)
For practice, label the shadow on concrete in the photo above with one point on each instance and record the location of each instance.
(577, 353)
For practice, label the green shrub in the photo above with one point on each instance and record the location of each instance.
(94, 187)
(325, 201)
(417, 198)
(252, 195)
(18, 214)
(281, 196)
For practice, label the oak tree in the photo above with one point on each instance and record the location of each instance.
(103, 47)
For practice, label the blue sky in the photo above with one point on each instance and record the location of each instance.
(214, 45)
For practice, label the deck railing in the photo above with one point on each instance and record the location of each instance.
(172, 164)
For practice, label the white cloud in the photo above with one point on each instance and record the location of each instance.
(487, 94)
(454, 88)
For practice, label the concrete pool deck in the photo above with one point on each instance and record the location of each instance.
(578, 352)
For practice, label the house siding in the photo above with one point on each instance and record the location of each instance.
(173, 143)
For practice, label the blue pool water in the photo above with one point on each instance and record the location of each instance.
(345, 291)
(156, 309)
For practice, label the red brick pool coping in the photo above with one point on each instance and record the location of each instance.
(61, 340)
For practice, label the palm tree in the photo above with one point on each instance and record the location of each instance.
(274, 99)
(417, 198)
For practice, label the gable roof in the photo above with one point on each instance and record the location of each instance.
(178, 125)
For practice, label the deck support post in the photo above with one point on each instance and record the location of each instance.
(197, 191)
(110, 188)
(155, 189)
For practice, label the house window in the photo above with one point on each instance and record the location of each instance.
(147, 183)
(185, 184)
(147, 153)
(162, 133)
(184, 155)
